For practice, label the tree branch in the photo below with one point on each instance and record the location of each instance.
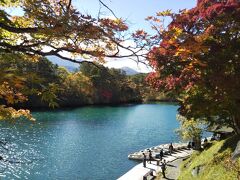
(19, 30)
(108, 8)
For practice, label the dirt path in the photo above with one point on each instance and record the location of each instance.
(173, 169)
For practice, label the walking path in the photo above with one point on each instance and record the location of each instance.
(173, 161)
(173, 169)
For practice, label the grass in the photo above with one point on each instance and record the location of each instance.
(213, 163)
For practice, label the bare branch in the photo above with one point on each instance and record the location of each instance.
(69, 5)
(108, 8)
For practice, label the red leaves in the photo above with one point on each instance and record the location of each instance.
(198, 60)
(211, 8)
(140, 34)
(177, 60)
(106, 94)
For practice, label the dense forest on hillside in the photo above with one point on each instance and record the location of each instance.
(90, 84)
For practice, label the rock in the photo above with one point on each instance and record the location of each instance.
(197, 170)
(236, 153)
(194, 172)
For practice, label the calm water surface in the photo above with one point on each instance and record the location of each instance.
(84, 143)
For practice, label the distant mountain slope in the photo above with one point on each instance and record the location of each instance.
(70, 66)
(129, 71)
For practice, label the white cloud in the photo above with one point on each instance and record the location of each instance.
(140, 65)
(125, 62)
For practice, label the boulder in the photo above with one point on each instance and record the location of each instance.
(196, 171)
(236, 153)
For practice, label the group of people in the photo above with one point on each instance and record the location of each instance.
(163, 163)
(161, 154)
(191, 145)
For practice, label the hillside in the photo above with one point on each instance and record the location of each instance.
(213, 163)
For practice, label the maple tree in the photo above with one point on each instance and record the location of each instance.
(198, 59)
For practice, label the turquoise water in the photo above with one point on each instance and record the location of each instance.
(84, 143)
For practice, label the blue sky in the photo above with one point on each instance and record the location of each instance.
(135, 11)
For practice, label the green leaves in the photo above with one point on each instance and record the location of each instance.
(49, 95)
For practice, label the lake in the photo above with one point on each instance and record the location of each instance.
(90, 142)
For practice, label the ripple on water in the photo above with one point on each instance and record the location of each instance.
(18, 156)
(84, 143)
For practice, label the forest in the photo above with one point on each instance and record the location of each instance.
(47, 85)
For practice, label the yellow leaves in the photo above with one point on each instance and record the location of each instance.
(22, 22)
(9, 113)
(34, 58)
(122, 25)
(189, 128)
(167, 12)
(51, 23)
(183, 52)
(110, 46)
(9, 3)
(177, 32)
(78, 84)
(7, 92)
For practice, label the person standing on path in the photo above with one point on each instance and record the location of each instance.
(171, 149)
(161, 154)
(205, 143)
(144, 160)
(163, 167)
(150, 156)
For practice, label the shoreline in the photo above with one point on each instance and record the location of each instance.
(39, 109)
(139, 171)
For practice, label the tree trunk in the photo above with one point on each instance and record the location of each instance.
(197, 142)
(236, 122)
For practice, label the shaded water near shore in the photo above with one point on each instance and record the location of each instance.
(84, 143)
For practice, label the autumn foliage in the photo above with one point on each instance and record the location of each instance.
(198, 59)
(49, 27)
